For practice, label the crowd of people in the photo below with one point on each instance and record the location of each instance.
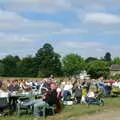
(77, 91)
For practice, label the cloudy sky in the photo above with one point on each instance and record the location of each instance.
(85, 27)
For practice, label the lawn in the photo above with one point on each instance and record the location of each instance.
(73, 111)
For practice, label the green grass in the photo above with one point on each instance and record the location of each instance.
(73, 111)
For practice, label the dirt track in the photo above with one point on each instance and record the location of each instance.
(106, 115)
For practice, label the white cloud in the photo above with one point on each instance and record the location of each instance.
(102, 18)
(47, 6)
(14, 22)
(15, 44)
(86, 49)
(69, 31)
(77, 44)
(63, 31)
(19, 33)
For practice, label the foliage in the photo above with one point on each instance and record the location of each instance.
(90, 59)
(10, 65)
(115, 77)
(47, 61)
(1, 69)
(98, 68)
(73, 64)
(107, 57)
(116, 60)
(26, 67)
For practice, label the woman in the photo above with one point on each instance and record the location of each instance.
(3, 98)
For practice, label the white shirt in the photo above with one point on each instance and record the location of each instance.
(3, 93)
(91, 94)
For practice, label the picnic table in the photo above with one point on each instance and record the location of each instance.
(14, 96)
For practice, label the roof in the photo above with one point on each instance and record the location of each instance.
(115, 67)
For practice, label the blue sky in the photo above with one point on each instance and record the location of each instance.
(85, 27)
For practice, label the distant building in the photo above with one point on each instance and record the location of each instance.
(115, 69)
(84, 75)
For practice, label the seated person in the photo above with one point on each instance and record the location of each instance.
(3, 94)
(91, 96)
(26, 87)
(78, 93)
(49, 99)
(67, 91)
(14, 86)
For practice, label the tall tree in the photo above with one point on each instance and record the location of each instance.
(48, 61)
(73, 64)
(107, 57)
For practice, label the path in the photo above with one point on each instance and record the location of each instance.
(106, 115)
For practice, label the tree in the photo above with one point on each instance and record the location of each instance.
(116, 60)
(10, 66)
(73, 64)
(26, 67)
(107, 57)
(98, 68)
(90, 59)
(1, 69)
(47, 61)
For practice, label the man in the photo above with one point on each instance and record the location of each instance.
(48, 83)
(49, 99)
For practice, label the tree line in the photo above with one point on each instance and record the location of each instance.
(46, 62)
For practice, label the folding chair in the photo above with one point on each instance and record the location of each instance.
(4, 103)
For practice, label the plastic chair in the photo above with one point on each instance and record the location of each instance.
(3, 101)
(21, 106)
(48, 108)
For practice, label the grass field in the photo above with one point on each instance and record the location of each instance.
(73, 111)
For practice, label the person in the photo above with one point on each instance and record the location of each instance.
(50, 98)
(78, 93)
(84, 93)
(67, 91)
(91, 94)
(14, 86)
(3, 91)
(3, 94)
(47, 84)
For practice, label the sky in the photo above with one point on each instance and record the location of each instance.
(85, 27)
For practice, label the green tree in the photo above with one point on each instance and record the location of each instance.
(98, 68)
(90, 59)
(107, 57)
(26, 67)
(10, 65)
(48, 61)
(73, 64)
(1, 69)
(116, 60)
